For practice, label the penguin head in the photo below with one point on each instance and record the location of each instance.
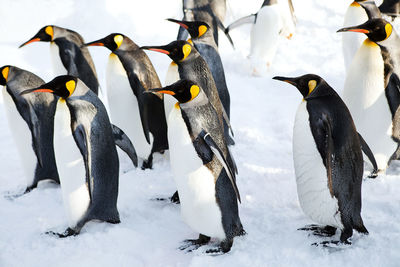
(376, 29)
(196, 29)
(306, 84)
(45, 34)
(62, 86)
(4, 74)
(178, 50)
(112, 41)
(183, 90)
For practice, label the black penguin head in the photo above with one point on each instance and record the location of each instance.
(306, 84)
(45, 34)
(112, 41)
(178, 51)
(4, 74)
(183, 90)
(376, 29)
(196, 29)
(63, 86)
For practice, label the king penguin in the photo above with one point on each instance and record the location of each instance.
(85, 152)
(129, 74)
(328, 160)
(203, 168)
(192, 66)
(371, 89)
(271, 21)
(31, 120)
(390, 8)
(68, 55)
(358, 12)
(203, 41)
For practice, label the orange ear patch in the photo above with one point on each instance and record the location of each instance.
(5, 72)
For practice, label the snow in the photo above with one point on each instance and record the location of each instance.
(262, 112)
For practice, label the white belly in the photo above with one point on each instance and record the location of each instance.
(264, 36)
(70, 166)
(364, 95)
(22, 137)
(58, 67)
(311, 177)
(351, 41)
(123, 106)
(171, 77)
(194, 181)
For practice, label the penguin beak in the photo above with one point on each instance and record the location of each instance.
(33, 39)
(183, 25)
(95, 43)
(42, 90)
(161, 49)
(160, 90)
(354, 29)
(292, 81)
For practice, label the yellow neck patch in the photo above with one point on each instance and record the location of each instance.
(118, 40)
(355, 4)
(49, 30)
(311, 86)
(190, 41)
(70, 85)
(388, 30)
(202, 30)
(194, 91)
(4, 72)
(186, 49)
(368, 42)
(177, 105)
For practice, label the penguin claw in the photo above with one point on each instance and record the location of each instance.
(318, 230)
(328, 244)
(68, 232)
(175, 198)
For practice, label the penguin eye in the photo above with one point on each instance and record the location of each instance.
(70, 85)
(311, 86)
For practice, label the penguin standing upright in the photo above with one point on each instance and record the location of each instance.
(203, 41)
(328, 161)
(85, 153)
(358, 12)
(31, 119)
(68, 54)
(269, 23)
(203, 168)
(192, 66)
(142, 116)
(371, 89)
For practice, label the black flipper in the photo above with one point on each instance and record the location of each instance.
(367, 151)
(226, 119)
(35, 131)
(124, 143)
(222, 27)
(220, 156)
(245, 20)
(329, 150)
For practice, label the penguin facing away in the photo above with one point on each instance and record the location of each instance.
(129, 74)
(85, 153)
(31, 120)
(202, 38)
(373, 97)
(68, 54)
(328, 161)
(192, 66)
(203, 168)
(358, 12)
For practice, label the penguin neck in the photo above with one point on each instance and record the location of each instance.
(199, 100)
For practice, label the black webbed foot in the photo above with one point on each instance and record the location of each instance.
(224, 247)
(68, 232)
(148, 164)
(328, 244)
(192, 244)
(319, 230)
(175, 198)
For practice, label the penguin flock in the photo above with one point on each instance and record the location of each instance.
(64, 133)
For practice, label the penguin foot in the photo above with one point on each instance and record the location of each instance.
(224, 247)
(68, 232)
(146, 165)
(192, 244)
(373, 174)
(175, 198)
(319, 230)
(331, 243)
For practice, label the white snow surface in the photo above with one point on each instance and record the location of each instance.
(262, 116)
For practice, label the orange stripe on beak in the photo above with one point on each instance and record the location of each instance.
(30, 41)
(159, 50)
(95, 44)
(166, 92)
(44, 90)
(358, 30)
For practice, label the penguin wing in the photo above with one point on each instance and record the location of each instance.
(35, 131)
(227, 164)
(248, 19)
(392, 92)
(222, 27)
(226, 118)
(367, 151)
(124, 143)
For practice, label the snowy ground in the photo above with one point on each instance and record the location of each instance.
(262, 116)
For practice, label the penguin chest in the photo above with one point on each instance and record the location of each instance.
(124, 108)
(264, 36)
(58, 67)
(364, 95)
(171, 77)
(195, 182)
(76, 196)
(22, 137)
(311, 176)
